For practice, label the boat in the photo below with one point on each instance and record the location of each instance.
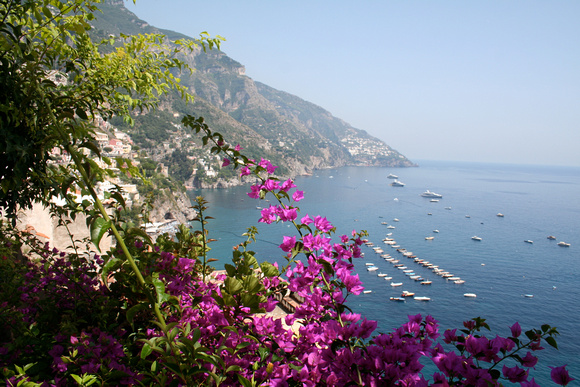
(563, 244)
(429, 238)
(422, 298)
(499, 215)
(476, 238)
(468, 216)
(372, 268)
(369, 264)
(408, 270)
(436, 231)
(459, 282)
(429, 213)
(394, 284)
(384, 223)
(470, 295)
(388, 278)
(382, 274)
(529, 295)
(434, 200)
(397, 183)
(391, 227)
(401, 267)
(447, 208)
(367, 291)
(529, 241)
(551, 237)
(406, 293)
(453, 278)
(397, 299)
(415, 277)
(429, 194)
(426, 282)
(391, 176)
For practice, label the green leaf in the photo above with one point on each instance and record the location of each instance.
(112, 264)
(146, 350)
(253, 285)
(98, 229)
(244, 382)
(135, 231)
(160, 290)
(233, 285)
(550, 340)
(269, 270)
(134, 310)
(230, 269)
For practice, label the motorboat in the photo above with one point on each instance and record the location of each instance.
(447, 208)
(563, 244)
(422, 298)
(372, 268)
(382, 274)
(395, 284)
(426, 282)
(395, 220)
(436, 231)
(407, 293)
(429, 194)
(369, 264)
(499, 215)
(551, 237)
(459, 282)
(468, 216)
(470, 295)
(408, 270)
(429, 238)
(391, 176)
(434, 200)
(397, 183)
(397, 299)
(529, 241)
(390, 227)
(367, 291)
(529, 295)
(388, 278)
(476, 238)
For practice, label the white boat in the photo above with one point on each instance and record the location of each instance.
(401, 267)
(436, 231)
(391, 176)
(372, 268)
(467, 216)
(529, 241)
(391, 227)
(395, 220)
(415, 277)
(422, 298)
(476, 238)
(397, 183)
(499, 215)
(529, 295)
(471, 295)
(408, 270)
(426, 282)
(394, 284)
(369, 264)
(407, 293)
(429, 238)
(382, 274)
(459, 282)
(397, 299)
(447, 208)
(551, 237)
(429, 194)
(453, 278)
(367, 291)
(388, 278)
(563, 244)
(434, 200)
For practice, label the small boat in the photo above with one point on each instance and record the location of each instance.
(426, 282)
(407, 270)
(385, 223)
(372, 268)
(369, 264)
(391, 176)
(382, 274)
(410, 274)
(563, 244)
(434, 200)
(551, 237)
(471, 295)
(397, 183)
(476, 238)
(429, 238)
(397, 299)
(388, 278)
(422, 298)
(447, 208)
(390, 227)
(401, 267)
(429, 194)
(459, 282)
(453, 278)
(436, 231)
(529, 241)
(394, 284)
(415, 277)
(467, 216)
(429, 213)
(395, 220)
(407, 294)
(499, 215)
(367, 291)
(529, 295)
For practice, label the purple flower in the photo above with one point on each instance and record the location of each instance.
(226, 162)
(288, 244)
(515, 374)
(306, 220)
(287, 185)
(322, 224)
(529, 360)
(516, 330)
(560, 375)
(298, 195)
(238, 148)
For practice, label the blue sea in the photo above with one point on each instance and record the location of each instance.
(536, 201)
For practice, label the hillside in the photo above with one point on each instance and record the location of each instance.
(293, 133)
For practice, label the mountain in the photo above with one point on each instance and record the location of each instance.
(293, 133)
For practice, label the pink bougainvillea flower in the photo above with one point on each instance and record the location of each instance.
(322, 224)
(245, 171)
(255, 191)
(515, 374)
(226, 162)
(529, 360)
(288, 244)
(287, 185)
(238, 148)
(297, 196)
(306, 220)
(516, 330)
(560, 375)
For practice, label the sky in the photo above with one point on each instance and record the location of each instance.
(479, 81)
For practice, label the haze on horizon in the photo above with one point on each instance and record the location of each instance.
(487, 81)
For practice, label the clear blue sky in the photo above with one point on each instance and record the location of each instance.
(491, 81)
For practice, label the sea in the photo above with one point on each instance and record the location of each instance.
(513, 280)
